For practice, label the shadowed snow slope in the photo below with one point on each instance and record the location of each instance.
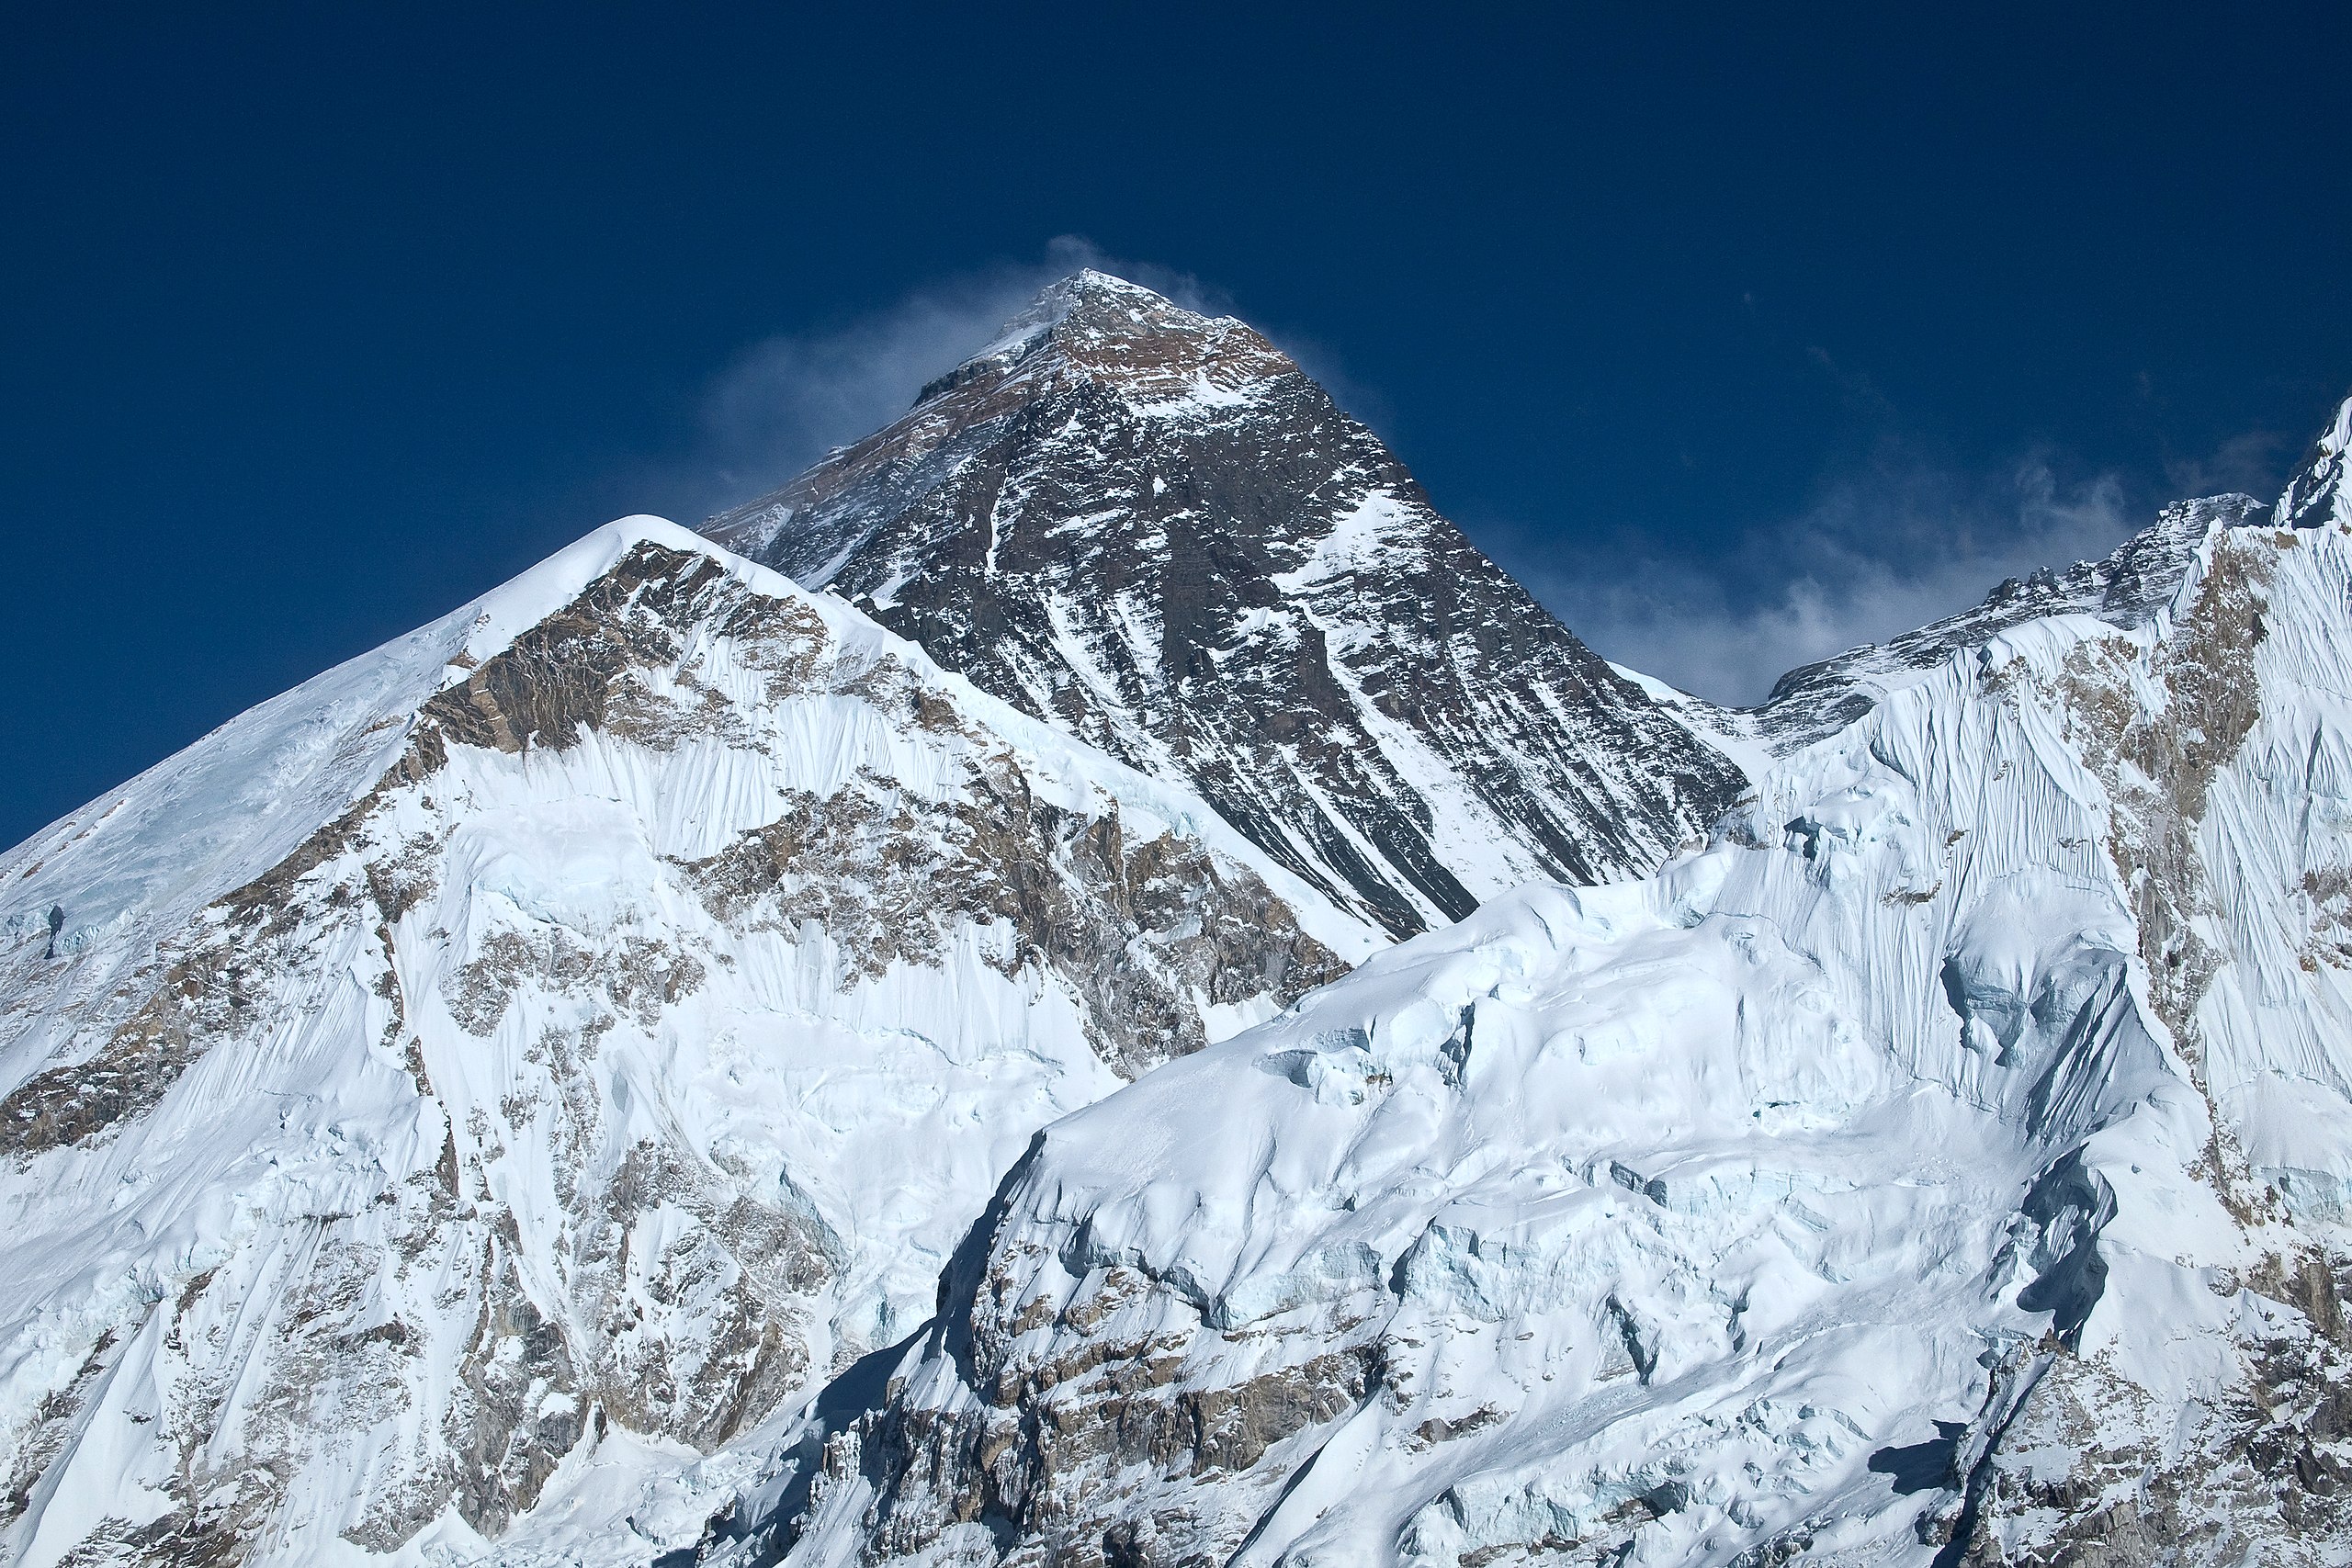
(475, 1086)
(1152, 528)
(1949, 1162)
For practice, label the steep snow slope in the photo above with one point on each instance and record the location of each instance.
(473, 1087)
(1150, 528)
(1948, 1163)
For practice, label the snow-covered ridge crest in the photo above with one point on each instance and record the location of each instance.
(2321, 492)
(215, 815)
(1946, 1163)
(451, 1186)
(2130, 586)
(219, 813)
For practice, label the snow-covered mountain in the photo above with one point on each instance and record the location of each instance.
(1950, 1163)
(471, 1087)
(1151, 528)
(672, 1064)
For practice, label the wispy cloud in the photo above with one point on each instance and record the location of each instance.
(1892, 540)
(2250, 461)
(784, 403)
(1879, 551)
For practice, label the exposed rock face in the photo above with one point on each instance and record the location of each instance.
(1149, 528)
(1949, 1165)
(617, 1063)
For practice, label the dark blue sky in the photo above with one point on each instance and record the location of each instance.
(1737, 336)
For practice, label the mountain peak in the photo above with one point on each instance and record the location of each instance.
(1149, 526)
(1089, 289)
(1105, 329)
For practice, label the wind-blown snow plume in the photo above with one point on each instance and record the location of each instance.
(784, 403)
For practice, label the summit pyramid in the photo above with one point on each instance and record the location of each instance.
(1149, 526)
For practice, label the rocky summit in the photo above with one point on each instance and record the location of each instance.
(1089, 984)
